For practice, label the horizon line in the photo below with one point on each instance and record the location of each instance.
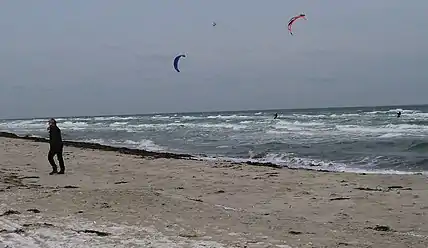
(218, 111)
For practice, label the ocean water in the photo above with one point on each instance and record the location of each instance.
(369, 139)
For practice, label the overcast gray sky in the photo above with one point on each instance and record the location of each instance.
(98, 57)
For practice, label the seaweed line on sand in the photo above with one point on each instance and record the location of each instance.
(140, 152)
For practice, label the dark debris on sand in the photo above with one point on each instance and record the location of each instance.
(30, 177)
(120, 182)
(44, 224)
(33, 210)
(368, 189)
(275, 166)
(98, 233)
(398, 187)
(389, 188)
(194, 199)
(381, 228)
(17, 231)
(339, 198)
(70, 187)
(10, 212)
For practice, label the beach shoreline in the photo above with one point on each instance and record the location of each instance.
(170, 155)
(112, 198)
(139, 152)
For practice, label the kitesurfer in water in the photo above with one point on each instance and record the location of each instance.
(398, 114)
(276, 116)
(56, 147)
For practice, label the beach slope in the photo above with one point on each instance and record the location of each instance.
(111, 199)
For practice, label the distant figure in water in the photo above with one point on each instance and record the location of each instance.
(398, 114)
(276, 116)
(56, 147)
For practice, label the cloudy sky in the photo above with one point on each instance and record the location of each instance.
(100, 57)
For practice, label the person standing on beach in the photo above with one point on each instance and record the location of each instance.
(56, 146)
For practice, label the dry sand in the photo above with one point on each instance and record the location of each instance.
(141, 202)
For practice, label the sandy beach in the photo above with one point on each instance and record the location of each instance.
(109, 199)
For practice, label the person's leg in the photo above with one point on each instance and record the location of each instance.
(61, 162)
(51, 155)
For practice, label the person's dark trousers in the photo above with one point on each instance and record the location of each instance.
(58, 152)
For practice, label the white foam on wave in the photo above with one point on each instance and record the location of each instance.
(145, 126)
(115, 118)
(229, 117)
(95, 141)
(75, 119)
(287, 160)
(187, 117)
(187, 125)
(220, 126)
(344, 115)
(23, 125)
(391, 135)
(118, 124)
(161, 117)
(421, 115)
(392, 111)
(309, 124)
(407, 127)
(145, 144)
(41, 125)
(209, 125)
(407, 114)
(309, 116)
(297, 125)
(78, 125)
(401, 129)
(404, 111)
(291, 133)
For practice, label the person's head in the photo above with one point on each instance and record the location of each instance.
(52, 122)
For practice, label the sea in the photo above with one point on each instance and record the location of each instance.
(357, 139)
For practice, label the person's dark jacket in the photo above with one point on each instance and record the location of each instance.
(55, 139)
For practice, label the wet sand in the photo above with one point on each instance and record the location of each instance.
(113, 199)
